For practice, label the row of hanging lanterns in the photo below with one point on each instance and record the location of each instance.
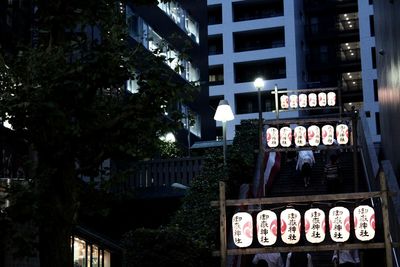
(311, 100)
(314, 226)
(312, 134)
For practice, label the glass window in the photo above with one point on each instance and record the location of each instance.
(89, 254)
(79, 252)
(107, 258)
(95, 256)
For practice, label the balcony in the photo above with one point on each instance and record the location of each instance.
(342, 28)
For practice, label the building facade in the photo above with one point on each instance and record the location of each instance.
(292, 45)
(179, 30)
(388, 63)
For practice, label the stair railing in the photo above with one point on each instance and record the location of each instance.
(372, 169)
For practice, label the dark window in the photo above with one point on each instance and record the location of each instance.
(373, 54)
(368, 114)
(256, 9)
(371, 2)
(248, 102)
(214, 14)
(258, 39)
(214, 101)
(378, 123)
(371, 25)
(216, 75)
(268, 69)
(376, 90)
(215, 46)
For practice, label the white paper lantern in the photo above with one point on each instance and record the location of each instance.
(302, 100)
(312, 100)
(339, 224)
(327, 135)
(331, 99)
(284, 101)
(272, 137)
(342, 134)
(300, 134)
(293, 101)
(290, 226)
(364, 222)
(285, 136)
(314, 225)
(314, 135)
(242, 229)
(322, 99)
(267, 227)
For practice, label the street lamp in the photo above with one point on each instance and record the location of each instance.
(259, 84)
(224, 113)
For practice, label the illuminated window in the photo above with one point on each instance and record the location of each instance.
(89, 255)
(79, 252)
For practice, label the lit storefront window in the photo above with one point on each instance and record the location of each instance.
(89, 255)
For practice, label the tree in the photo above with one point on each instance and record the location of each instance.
(65, 97)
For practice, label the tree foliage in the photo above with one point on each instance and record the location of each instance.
(65, 97)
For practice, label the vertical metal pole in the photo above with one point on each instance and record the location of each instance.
(222, 223)
(355, 152)
(260, 130)
(259, 121)
(385, 217)
(276, 101)
(224, 140)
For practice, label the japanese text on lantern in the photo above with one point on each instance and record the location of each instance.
(314, 220)
(339, 223)
(364, 223)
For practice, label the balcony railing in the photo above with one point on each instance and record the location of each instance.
(161, 173)
(340, 27)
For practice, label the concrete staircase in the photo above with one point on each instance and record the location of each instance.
(289, 183)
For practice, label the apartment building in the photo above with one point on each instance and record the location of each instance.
(179, 30)
(292, 45)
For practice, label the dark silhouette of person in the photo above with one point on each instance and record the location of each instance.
(333, 174)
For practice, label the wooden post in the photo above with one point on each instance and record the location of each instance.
(222, 223)
(385, 218)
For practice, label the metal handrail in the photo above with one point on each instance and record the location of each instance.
(372, 167)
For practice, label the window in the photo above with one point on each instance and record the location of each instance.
(79, 252)
(371, 25)
(373, 54)
(269, 69)
(89, 255)
(259, 39)
(378, 123)
(216, 75)
(248, 102)
(376, 90)
(215, 46)
(214, 14)
(250, 10)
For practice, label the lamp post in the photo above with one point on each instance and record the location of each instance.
(223, 114)
(259, 84)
